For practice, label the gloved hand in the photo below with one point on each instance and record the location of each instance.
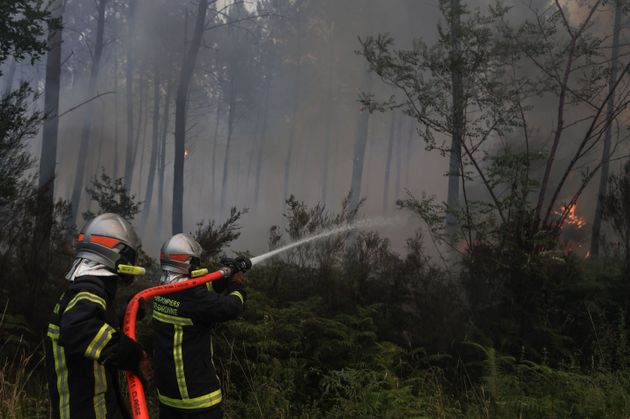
(238, 279)
(238, 264)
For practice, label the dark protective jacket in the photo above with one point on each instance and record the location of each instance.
(84, 350)
(185, 375)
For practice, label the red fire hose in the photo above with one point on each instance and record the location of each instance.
(136, 391)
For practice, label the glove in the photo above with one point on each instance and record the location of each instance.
(220, 285)
(238, 279)
(239, 264)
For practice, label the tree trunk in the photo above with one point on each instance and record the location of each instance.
(360, 146)
(254, 146)
(142, 110)
(388, 165)
(129, 90)
(408, 153)
(162, 163)
(154, 145)
(262, 140)
(48, 159)
(188, 67)
(329, 119)
(454, 167)
(603, 181)
(141, 138)
(228, 143)
(116, 116)
(79, 173)
(398, 142)
(295, 104)
(215, 141)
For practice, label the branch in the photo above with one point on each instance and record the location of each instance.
(587, 136)
(484, 180)
(86, 102)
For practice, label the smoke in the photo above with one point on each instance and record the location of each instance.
(296, 75)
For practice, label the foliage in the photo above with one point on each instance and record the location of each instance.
(23, 25)
(17, 126)
(111, 195)
(617, 210)
(214, 238)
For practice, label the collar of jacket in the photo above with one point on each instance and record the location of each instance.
(107, 283)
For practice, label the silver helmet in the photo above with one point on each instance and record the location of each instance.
(180, 254)
(109, 239)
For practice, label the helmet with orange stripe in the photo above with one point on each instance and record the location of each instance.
(110, 240)
(181, 254)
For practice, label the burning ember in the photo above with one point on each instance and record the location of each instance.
(185, 153)
(571, 218)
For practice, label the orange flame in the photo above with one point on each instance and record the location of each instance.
(571, 217)
(185, 153)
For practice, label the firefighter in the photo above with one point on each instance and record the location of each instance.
(84, 349)
(185, 375)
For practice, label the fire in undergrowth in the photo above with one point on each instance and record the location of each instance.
(572, 218)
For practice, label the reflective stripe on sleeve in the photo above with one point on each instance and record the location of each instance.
(53, 331)
(201, 402)
(84, 295)
(167, 318)
(61, 371)
(100, 388)
(99, 342)
(178, 338)
(239, 295)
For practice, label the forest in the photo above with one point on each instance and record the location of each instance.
(482, 144)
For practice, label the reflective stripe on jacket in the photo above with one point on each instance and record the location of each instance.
(185, 375)
(84, 349)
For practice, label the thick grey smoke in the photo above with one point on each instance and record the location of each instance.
(287, 70)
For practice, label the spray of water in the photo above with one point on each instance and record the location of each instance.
(366, 223)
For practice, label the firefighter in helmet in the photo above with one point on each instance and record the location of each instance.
(84, 349)
(185, 376)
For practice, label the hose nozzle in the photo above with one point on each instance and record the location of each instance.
(239, 264)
